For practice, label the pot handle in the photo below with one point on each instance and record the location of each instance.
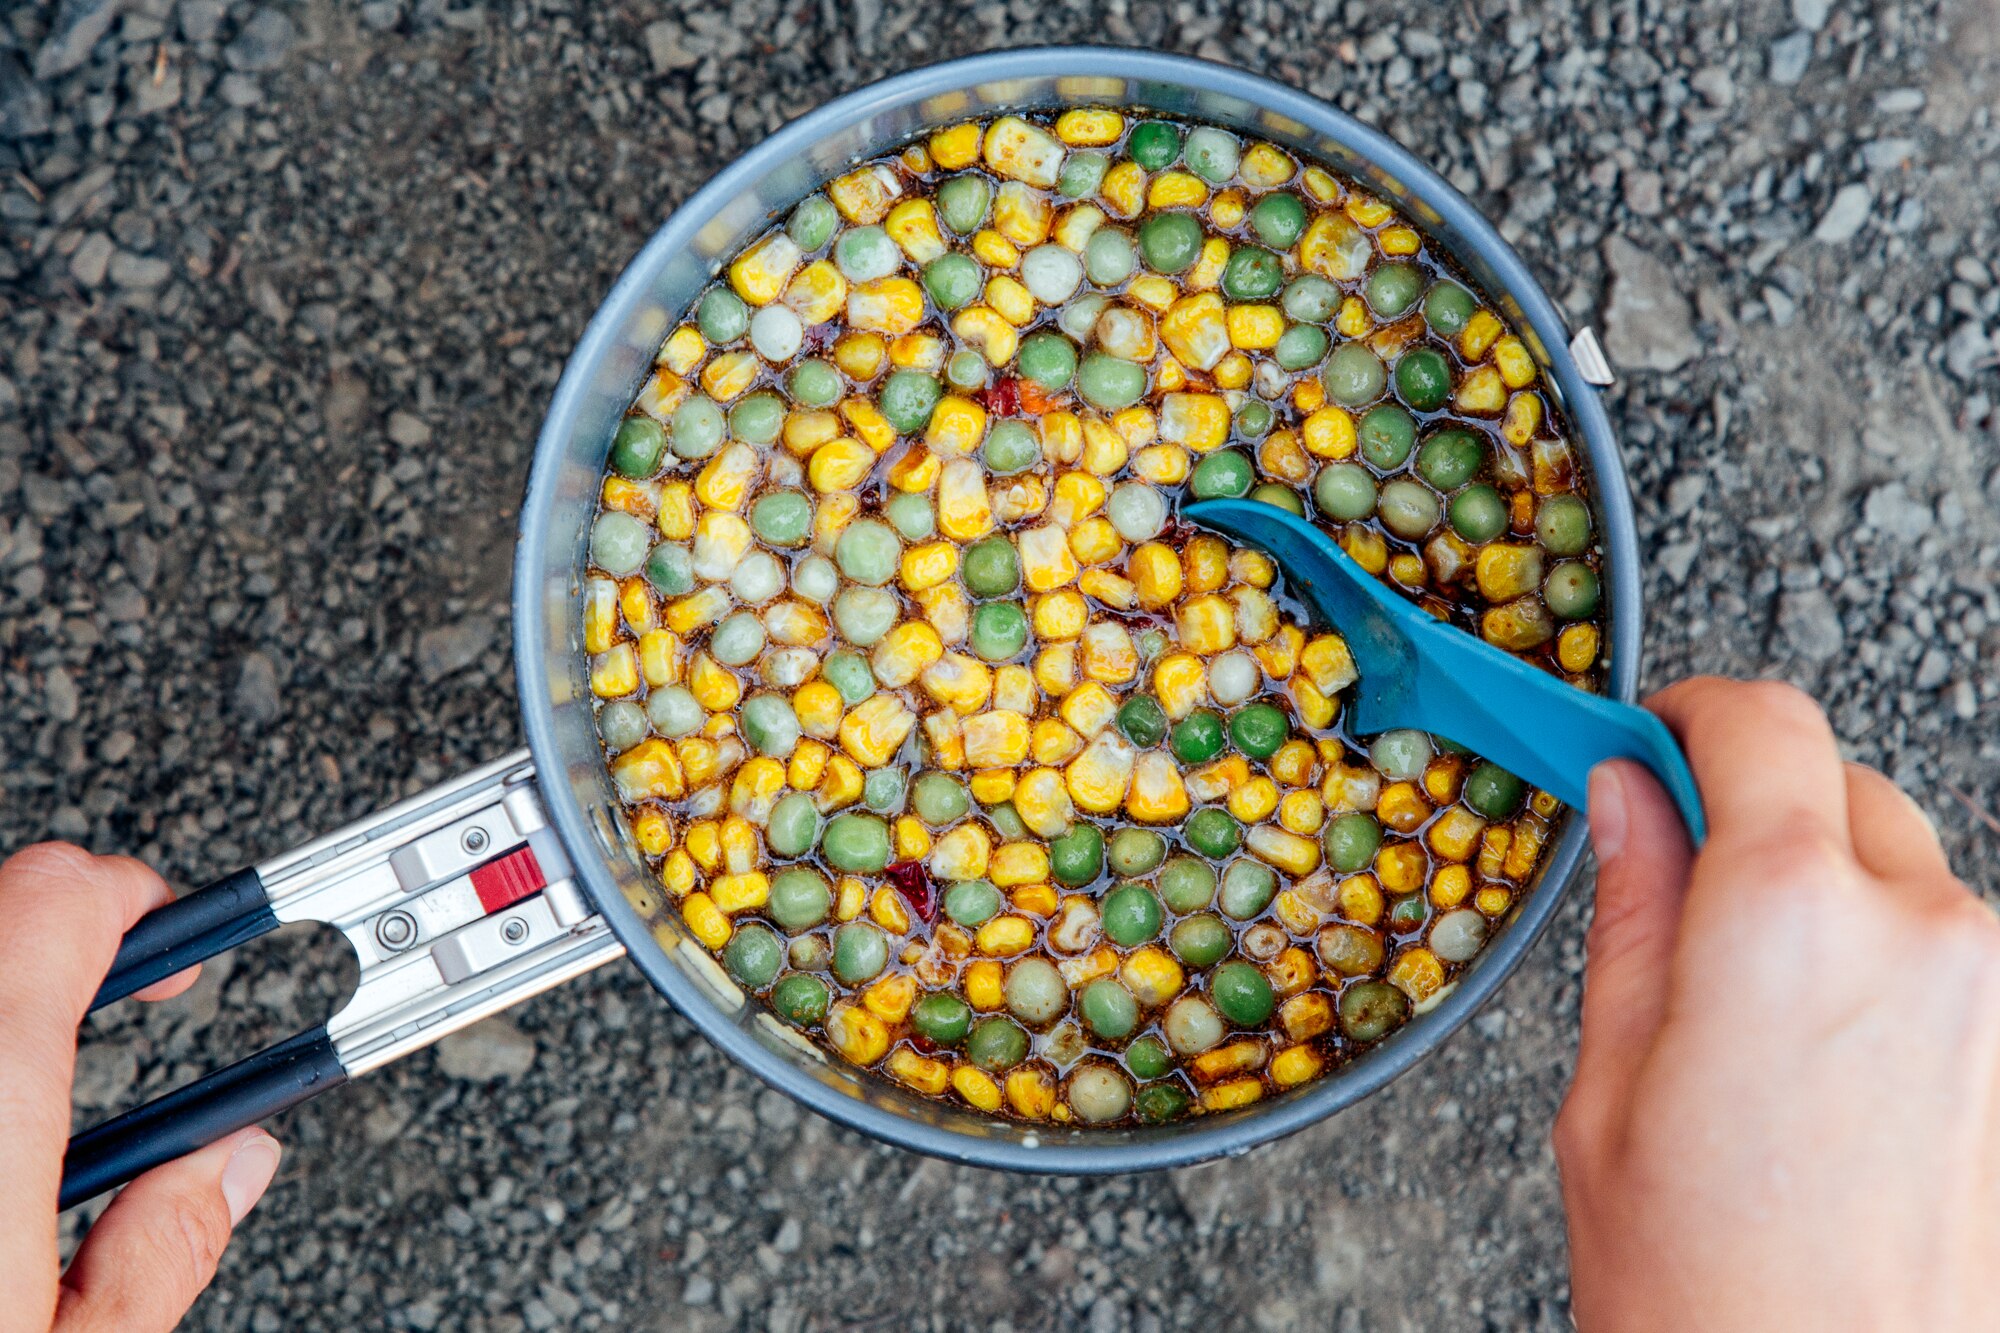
(458, 902)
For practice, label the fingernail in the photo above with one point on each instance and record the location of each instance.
(1608, 815)
(248, 1174)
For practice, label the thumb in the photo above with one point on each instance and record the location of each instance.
(155, 1248)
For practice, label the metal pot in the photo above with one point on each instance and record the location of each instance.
(520, 875)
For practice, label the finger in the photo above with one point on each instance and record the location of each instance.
(156, 1246)
(1893, 837)
(168, 987)
(1643, 862)
(1764, 758)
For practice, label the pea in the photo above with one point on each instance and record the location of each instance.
(1393, 288)
(1478, 514)
(1247, 889)
(799, 899)
(1223, 475)
(1170, 242)
(953, 280)
(1080, 316)
(1212, 154)
(814, 383)
(1109, 1010)
(1571, 590)
(1300, 346)
(636, 448)
(618, 542)
(856, 843)
(696, 428)
(997, 1044)
(1350, 842)
(999, 631)
(1494, 792)
(1371, 1010)
(674, 712)
(1351, 951)
(1450, 458)
(1259, 729)
(1354, 375)
(1280, 496)
(972, 903)
(722, 317)
(753, 956)
(1458, 936)
(882, 790)
(812, 223)
(1108, 257)
(757, 418)
(1081, 174)
(800, 1000)
(1562, 524)
(962, 202)
(770, 725)
(1131, 915)
(794, 825)
(1197, 738)
(849, 673)
(1310, 299)
(1409, 509)
(810, 953)
(1035, 992)
(1077, 857)
(1242, 993)
(1401, 755)
(1252, 274)
(1449, 307)
(1344, 491)
(1386, 435)
(1201, 941)
(1006, 821)
(1136, 851)
(939, 798)
(911, 516)
(779, 518)
(1187, 884)
(1142, 720)
(1137, 511)
(863, 254)
(1099, 1093)
(1279, 220)
(1011, 446)
(1160, 1103)
(1423, 379)
(868, 552)
(1153, 144)
(737, 640)
(1109, 384)
(670, 569)
(1253, 418)
(991, 567)
(1407, 914)
(1213, 832)
(815, 579)
(1148, 1057)
(1049, 359)
(907, 400)
(860, 952)
(941, 1018)
(965, 371)
(757, 578)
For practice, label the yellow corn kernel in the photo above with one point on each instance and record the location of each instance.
(873, 428)
(1505, 571)
(1158, 795)
(913, 840)
(1417, 973)
(840, 786)
(983, 983)
(1005, 936)
(1207, 271)
(860, 355)
(1291, 971)
(1254, 328)
(1060, 615)
(752, 793)
(1019, 151)
(706, 920)
(1238, 1057)
(1018, 863)
(1479, 335)
(1014, 689)
(912, 225)
(1449, 887)
(1295, 1065)
(806, 431)
(1180, 682)
(965, 511)
(677, 511)
(725, 482)
(1124, 189)
(920, 1072)
(1253, 800)
(1032, 1094)
(1206, 624)
(1110, 589)
(1094, 541)
(742, 892)
(1152, 975)
(1265, 166)
(1108, 653)
(1302, 812)
(1481, 393)
(1196, 421)
(863, 195)
(995, 250)
(1279, 654)
(653, 830)
(1207, 561)
(614, 673)
(1053, 742)
(1036, 900)
(956, 147)
(1335, 248)
(859, 1036)
(963, 853)
(1402, 807)
(850, 896)
(995, 740)
(700, 759)
(885, 305)
(1515, 363)
(1098, 778)
(659, 657)
(640, 499)
(1329, 433)
(1401, 866)
(683, 349)
(1293, 764)
(1046, 562)
(1090, 709)
(957, 426)
(875, 729)
(1195, 330)
(947, 745)
(1155, 571)
(1399, 241)
(1162, 464)
(839, 466)
(1020, 498)
(677, 873)
(1055, 665)
(1576, 648)
(704, 843)
(1455, 835)
(816, 292)
(759, 274)
(1089, 127)
(649, 769)
(948, 609)
(808, 763)
(1228, 1096)
(713, 685)
(729, 374)
(1176, 189)
(1306, 1016)
(1022, 215)
(1214, 781)
(976, 1087)
(1155, 293)
(1227, 209)
(918, 351)
(905, 652)
(818, 706)
(959, 682)
(1043, 802)
(600, 615)
(1493, 899)
(990, 786)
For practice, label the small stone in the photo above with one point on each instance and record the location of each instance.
(699, 1291)
(1781, 305)
(1899, 101)
(91, 259)
(1643, 192)
(257, 689)
(262, 43)
(1809, 624)
(25, 106)
(1811, 14)
(1789, 56)
(1846, 215)
(1648, 324)
(408, 430)
(1967, 350)
(1934, 669)
(448, 649)
(663, 45)
(201, 20)
(78, 27)
(485, 1051)
(1892, 511)
(59, 696)
(1714, 84)
(139, 272)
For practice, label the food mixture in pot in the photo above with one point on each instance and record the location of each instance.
(950, 742)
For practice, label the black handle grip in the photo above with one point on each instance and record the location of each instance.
(209, 921)
(181, 1121)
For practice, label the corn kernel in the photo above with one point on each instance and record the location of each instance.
(1018, 863)
(1335, 248)
(1576, 648)
(1206, 624)
(1479, 335)
(956, 147)
(1124, 189)
(1295, 1065)
(1158, 795)
(965, 511)
(1207, 561)
(1086, 127)
(1449, 887)
(1402, 867)
(1036, 900)
(1302, 812)
(649, 769)
(614, 673)
(875, 729)
(1005, 936)
(740, 893)
(1032, 1094)
(1152, 975)
(1228, 1096)
(759, 274)
(996, 739)
(1017, 150)
(1195, 330)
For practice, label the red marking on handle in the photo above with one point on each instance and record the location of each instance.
(501, 884)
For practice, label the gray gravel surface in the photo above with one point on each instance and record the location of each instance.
(285, 289)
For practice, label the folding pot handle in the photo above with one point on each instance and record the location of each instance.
(458, 902)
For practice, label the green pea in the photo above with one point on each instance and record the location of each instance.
(868, 552)
(939, 798)
(1212, 154)
(737, 640)
(812, 223)
(1344, 491)
(1247, 888)
(1109, 384)
(1213, 832)
(1161, 1103)
(912, 516)
(1047, 358)
(941, 1018)
(1562, 524)
(860, 952)
(1153, 144)
(1201, 941)
(1077, 857)
(794, 825)
(991, 567)
(1148, 1058)
(753, 956)
(1197, 738)
(882, 790)
(1170, 242)
(696, 428)
(622, 725)
(722, 317)
(999, 631)
(1494, 792)
(1138, 511)
(849, 672)
(1407, 914)
(1108, 1009)
(1571, 590)
(856, 843)
(1409, 509)
(1300, 346)
(1187, 884)
(1371, 1010)
(1135, 851)
(965, 371)
(1279, 220)
(673, 712)
(907, 400)
(953, 280)
(1450, 458)
(800, 1000)
(864, 615)
(814, 383)
(1142, 720)
(1131, 915)
(1311, 299)
(972, 902)
(1222, 475)
(1281, 496)
(1259, 729)
(1241, 993)
(758, 418)
(1253, 419)
(770, 725)
(1035, 992)
(782, 518)
(1449, 307)
(1354, 375)
(1393, 288)
(636, 448)
(1350, 842)
(997, 1044)
(618, 542)
(1351, 951)
(1423, 379)
(1011, 446)
(1108, 257)
(863, 254)
(1006, 821)
(1386, 435)
(1252, 274)
(670, 569)
(962, 203)
(1081, 174)
(799, 899)
(1478, 514)
(815, 579)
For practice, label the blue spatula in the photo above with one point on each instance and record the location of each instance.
(1417, 671)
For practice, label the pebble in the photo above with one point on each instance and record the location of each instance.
(263, 42)
(78, 26)
(89, 262)
(140, 272)
(1846, 215)
(1648, 324)
(1810, 625)
(257, 689)
(488, 1050)
(409, 430)
(1811, 14)
(1789, 56)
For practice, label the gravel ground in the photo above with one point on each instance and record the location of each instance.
(285, 289)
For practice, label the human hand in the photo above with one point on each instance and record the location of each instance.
(1784, 1107)
(155, 1248)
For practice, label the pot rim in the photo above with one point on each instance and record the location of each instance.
(1189, 1141)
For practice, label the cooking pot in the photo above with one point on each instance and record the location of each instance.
(520, 875)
